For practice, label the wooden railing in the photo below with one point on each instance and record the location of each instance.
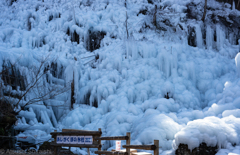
(69, 132)
(154, 147)
(127, 138)
(96, 142)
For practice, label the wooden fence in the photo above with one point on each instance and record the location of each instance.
(73, 137)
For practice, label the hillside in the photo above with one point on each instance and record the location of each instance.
(149, 67)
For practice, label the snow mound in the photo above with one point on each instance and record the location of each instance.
(213, 131)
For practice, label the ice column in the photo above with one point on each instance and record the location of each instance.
(237, 62)
(209, 37)
(238, 45)
(199, 36)
(220, 37)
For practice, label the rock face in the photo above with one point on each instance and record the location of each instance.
(192, 37)
(93, 41)
(203, 149)
(229, 23)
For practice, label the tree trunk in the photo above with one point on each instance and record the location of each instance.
(154, 16)
(205, 11)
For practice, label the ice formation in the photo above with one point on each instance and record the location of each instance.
(151, 83)
(209, 37)
(199, 36)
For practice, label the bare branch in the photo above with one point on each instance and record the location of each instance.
(205, 11)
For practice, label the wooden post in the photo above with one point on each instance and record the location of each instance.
(72, 93)
(55, 141)
(156, 151)
(128, 142)
(88, 151)
(99, 141)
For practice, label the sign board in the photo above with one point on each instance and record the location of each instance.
(88, 140)
(59, 139)
(118, 145)
(74, 140)
(80, 140)
(66, 139)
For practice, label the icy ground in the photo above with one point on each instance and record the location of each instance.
(152, 83)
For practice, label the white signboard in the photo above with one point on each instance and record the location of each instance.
(118, 145)
(88, 140)
(66, 139)
(74, 140)
(80, 139)
(59, 139)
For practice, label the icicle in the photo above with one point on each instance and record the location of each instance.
(127, 49)
(43, 118)
(35, 120)
(209, 37)
(191, 71)
(47, 118)
(24, 120)
(237, 62)
(167, 67)
(220, 37)
(238, 45)
(174, 64)
(134, 50)
(233, 6)
(145, 73)
(30, 42)
(54, 120)
(199, 36)
(131, 95)
(164, 63)
(145, 51)
(19, 121)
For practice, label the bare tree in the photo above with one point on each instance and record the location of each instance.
(126, 22)
(205, 11)
(35, 86)
(154, 16)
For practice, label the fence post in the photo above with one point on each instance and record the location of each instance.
(99, 141)
(128, 142)
(55, 141)
(156, 151)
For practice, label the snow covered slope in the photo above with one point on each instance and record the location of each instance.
(176, 80)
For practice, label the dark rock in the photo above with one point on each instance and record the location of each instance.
(10, 2)
(193, 12)
(74, 36)
(55, 69)
(203, 149)
(150, 1)
(51, 17)
(93, 41)
(143, 11)
(11, 76)
(87, 100)
(168, 95)
(192, 37)
(30, 19)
